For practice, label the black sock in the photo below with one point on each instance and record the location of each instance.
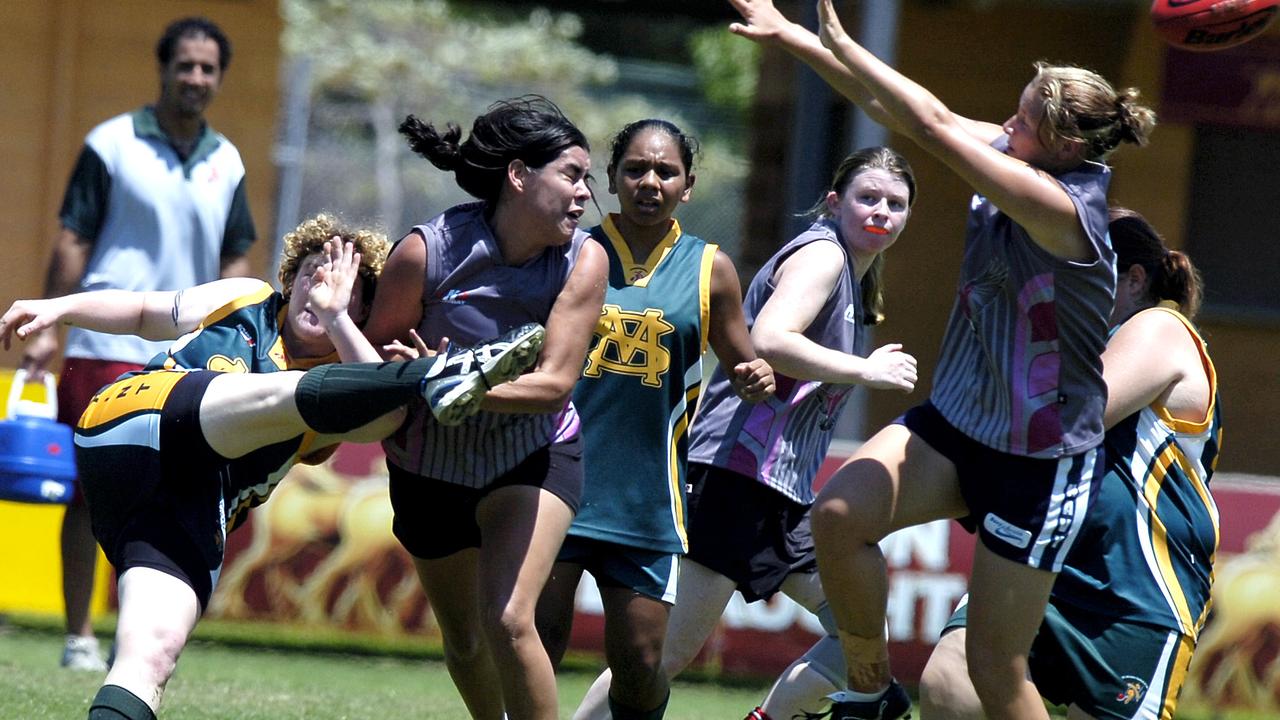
(622, 712)
(115, 703)
(342, 397)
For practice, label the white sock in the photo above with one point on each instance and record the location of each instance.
(855, 696)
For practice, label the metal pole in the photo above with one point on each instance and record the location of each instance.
(878, 32)
(288, 155)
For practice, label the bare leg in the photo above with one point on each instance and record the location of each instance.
(700, 601)
(946, 692)
(452, 587)
(157, 613)
(635, 627)
(554, 617)
(1006, 606)
(895, 480)
(241, 412)
(701, 597)
(522, 528)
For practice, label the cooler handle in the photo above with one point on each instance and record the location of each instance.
(18, 406)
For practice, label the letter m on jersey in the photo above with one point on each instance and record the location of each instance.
(630, 343)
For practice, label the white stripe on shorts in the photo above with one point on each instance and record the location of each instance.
(1158, 687)
(1057, 503)
(142, 429)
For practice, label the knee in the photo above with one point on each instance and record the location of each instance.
(508, 623)
(637, 668)
(464, 648)
(836, 520)
(945, 690)
(152, 655)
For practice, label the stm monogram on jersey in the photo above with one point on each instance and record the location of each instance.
(630, 344)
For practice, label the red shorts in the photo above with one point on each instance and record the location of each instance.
(81, 378)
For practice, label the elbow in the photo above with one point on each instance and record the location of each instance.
(768, 346)
(557, 395)
(543, 393)
(928, 128)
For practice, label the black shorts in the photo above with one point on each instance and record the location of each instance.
(1028, 510)
(435, 519)
(746, 531)
(152, 483)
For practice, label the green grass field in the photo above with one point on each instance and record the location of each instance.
(227, 679)
(248, 671)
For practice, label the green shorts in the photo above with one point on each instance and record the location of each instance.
(652, 573)
(1107, 668)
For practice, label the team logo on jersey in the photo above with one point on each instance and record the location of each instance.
(222, 363)
(630, 344)
(1006, 531)
(1133, 690)
(850, 314)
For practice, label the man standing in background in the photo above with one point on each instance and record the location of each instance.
(156, 202)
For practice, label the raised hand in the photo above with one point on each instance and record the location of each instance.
(830, 31)
(753, 380)
(891, 369)
(329, 292)
(762, 22)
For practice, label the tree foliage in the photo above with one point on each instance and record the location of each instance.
(372, 63)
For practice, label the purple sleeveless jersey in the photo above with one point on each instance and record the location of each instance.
(783, 440)
(471, 295)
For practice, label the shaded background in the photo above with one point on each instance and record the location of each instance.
(316, 88)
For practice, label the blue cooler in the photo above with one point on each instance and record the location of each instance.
(37, 453)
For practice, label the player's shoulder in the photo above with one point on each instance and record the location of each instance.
(112, 133)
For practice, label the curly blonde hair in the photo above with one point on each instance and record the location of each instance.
(310, 236)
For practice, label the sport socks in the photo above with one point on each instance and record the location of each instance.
(115, 703)
(341, 397)
(622, 712)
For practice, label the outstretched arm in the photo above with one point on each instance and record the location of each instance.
(750, 376)
(1030, 196)
(764, 24)
(161, 315)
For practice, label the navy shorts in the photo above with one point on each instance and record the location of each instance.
(435, 519)
(152, 484)
(1109, 668)
(746, 531)
(1028, 510)
(652, 573)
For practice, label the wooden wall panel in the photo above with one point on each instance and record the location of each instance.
(67, 65)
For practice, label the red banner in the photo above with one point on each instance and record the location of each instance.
(322, 551)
